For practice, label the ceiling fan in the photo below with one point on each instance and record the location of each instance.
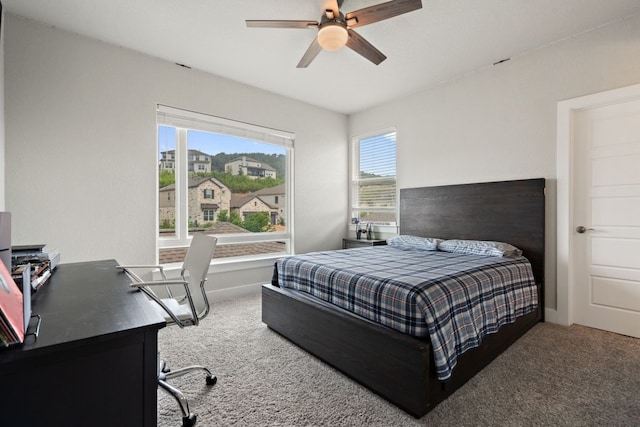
(335, 29)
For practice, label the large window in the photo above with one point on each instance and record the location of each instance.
(373, 179)
(225, 178)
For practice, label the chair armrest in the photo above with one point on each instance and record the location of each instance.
(158, 283)
(125, 267)
(128, 269)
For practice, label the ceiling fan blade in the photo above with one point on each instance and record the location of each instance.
(310, 54)
(364, 48)
(256, 23)
(371, 14)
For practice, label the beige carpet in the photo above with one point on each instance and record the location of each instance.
(553, 376)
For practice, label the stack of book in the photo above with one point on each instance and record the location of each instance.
(40, 260)
(37, 273)
(12, 310)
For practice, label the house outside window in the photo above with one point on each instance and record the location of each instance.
(217, 201)
(373, 191)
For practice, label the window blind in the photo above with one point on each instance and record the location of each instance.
(378, 156)
(170, 116)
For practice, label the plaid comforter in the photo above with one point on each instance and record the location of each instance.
(454, 299)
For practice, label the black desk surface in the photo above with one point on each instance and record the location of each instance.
(84, 301)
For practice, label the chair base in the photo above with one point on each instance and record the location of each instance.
(164, 374)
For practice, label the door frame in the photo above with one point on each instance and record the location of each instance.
(565, 276)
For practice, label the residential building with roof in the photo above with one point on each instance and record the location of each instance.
(198, 161)
(249, 167)
(276, 198)
(207, 198)
(247, 204)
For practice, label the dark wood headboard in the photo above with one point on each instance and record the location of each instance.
(505, 211)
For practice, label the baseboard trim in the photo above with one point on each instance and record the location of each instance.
(551, 315)
(234, 292)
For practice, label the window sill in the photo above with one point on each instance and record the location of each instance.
(224, 265)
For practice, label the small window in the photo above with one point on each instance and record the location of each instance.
(373, 179)
(208, 193)
(208, 214)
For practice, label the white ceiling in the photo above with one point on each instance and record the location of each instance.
(444, 40)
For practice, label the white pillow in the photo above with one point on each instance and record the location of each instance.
(480, 247)
(405, 241)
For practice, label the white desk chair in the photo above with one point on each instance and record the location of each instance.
(184, 310)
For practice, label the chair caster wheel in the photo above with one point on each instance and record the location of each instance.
(211, 380)
(189, 421)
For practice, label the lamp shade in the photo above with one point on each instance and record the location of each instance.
(332, 36)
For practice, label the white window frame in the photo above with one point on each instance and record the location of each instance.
(354, 164)
(184, 120)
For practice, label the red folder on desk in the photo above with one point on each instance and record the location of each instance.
(11, 309)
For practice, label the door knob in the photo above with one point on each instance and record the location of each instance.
(581, 229)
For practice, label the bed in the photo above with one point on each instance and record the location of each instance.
(401, 367)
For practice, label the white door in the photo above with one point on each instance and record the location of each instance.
(606, 217)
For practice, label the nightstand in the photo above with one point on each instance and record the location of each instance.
(352, 242)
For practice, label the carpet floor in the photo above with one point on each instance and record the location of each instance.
(553, 376)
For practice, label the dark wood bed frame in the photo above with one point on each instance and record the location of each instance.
(396, 366)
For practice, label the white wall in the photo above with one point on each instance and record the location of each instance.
(500, 123)
(2, 138)
(81, 145)
(80, 135)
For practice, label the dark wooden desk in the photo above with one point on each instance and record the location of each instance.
(94, 362)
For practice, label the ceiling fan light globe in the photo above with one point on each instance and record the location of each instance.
(332, 36)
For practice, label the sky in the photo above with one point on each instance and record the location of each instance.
(214, 143)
